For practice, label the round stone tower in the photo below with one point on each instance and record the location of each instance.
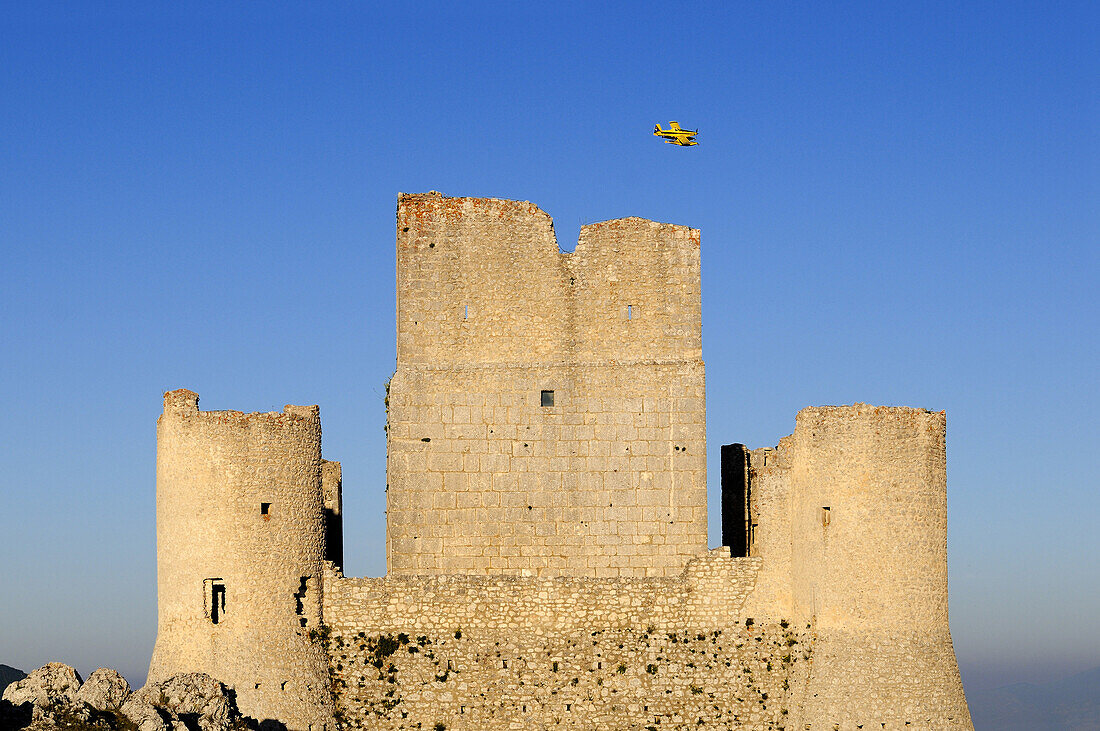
(240, 544)
(869, 567)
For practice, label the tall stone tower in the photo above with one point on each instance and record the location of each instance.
(849, 514)
(869, 489)
(241, 526)
(547, 412)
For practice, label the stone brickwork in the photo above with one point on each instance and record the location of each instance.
(230, 573)
(484, 475)
(851, 527)
(477, 652)
(546, 527)
(708, 593)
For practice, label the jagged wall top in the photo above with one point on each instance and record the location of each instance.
(183, 402)
(482, 281)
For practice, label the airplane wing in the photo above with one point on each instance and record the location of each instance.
(674, 125)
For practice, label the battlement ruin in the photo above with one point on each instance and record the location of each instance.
(546, 519)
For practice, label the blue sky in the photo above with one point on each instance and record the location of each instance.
(898, 204)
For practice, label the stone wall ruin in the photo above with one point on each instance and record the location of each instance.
(546, 523)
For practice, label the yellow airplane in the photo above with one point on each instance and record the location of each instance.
(676, 136)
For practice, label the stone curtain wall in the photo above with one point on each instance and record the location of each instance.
(483, 478)
(709, 592)
(477, 652)
(214, 469)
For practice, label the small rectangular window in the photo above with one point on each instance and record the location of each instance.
(826, 517)
(547, 398)
(630, 312)
(214, 599)
(265, 510)
(466, 313)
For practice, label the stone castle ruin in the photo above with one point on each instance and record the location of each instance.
(546, 519)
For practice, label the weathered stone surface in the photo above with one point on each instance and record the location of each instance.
(240, 589)
(547, 520)
(51, 690)
(189, 695)
(606, 476)
(145, 715)
(104, 690)
(53, 697)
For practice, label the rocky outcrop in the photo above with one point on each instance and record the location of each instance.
(53, 697)
(105, 690)
(195, 698)
(50, 691)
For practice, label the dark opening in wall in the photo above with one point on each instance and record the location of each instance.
(214, 599)
(300, 600)
(547, 398)
(736, 520)
(334, 537)
(265, 510)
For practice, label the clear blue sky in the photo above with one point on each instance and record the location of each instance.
(900, 204)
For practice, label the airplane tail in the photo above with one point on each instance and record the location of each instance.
(657, 129)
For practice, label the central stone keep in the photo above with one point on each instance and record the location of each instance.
(547, 414)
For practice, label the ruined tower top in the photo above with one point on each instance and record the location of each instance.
(482, 281)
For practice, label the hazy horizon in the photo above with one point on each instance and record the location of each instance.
(898, 206)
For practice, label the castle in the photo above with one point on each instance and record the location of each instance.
(546, 519)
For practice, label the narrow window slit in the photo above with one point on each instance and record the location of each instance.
(214, 599)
